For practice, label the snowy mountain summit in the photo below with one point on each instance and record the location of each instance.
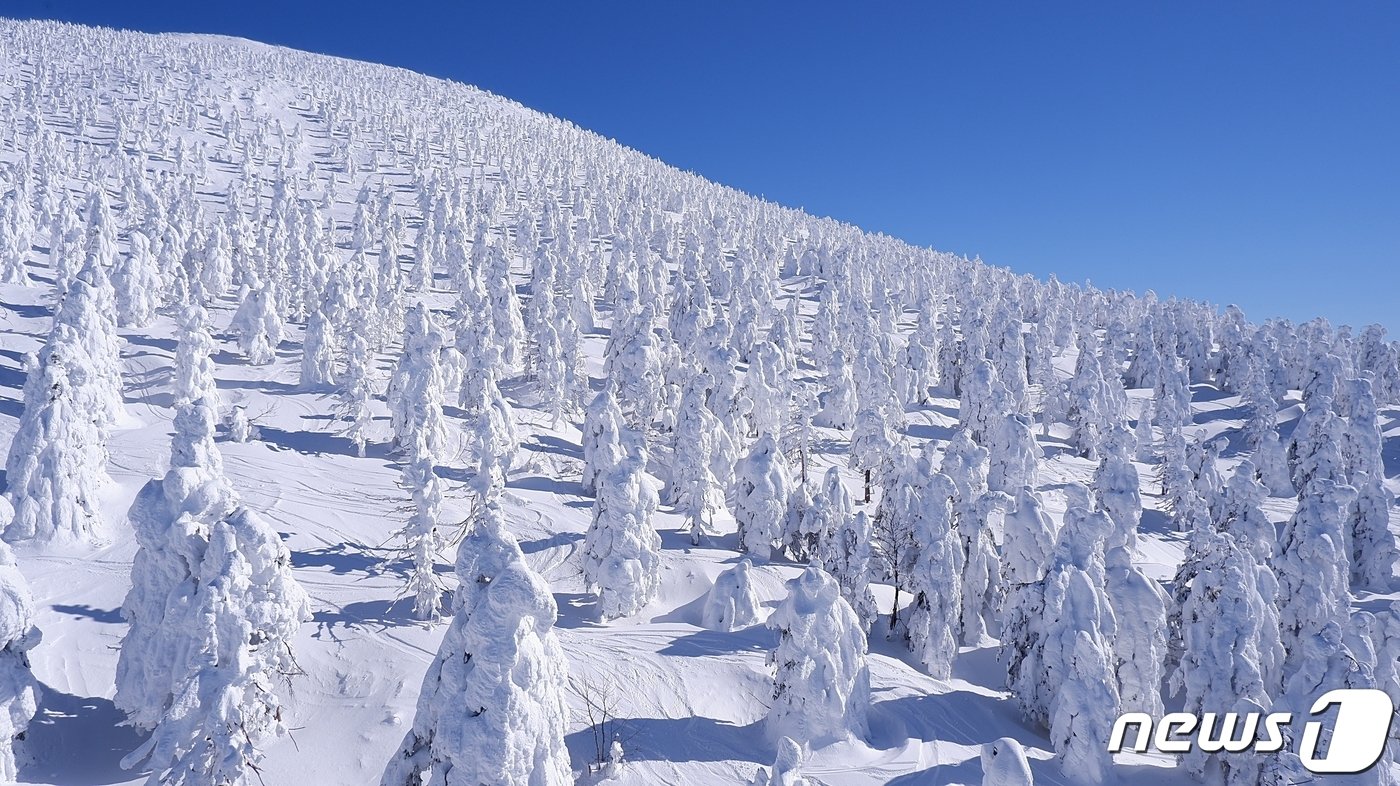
(363, 427)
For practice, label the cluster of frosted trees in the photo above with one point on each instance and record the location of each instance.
(463, 243)
(19, 691)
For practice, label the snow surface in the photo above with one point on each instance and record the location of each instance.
(691, 702)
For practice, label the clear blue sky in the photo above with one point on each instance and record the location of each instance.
(1244, 152)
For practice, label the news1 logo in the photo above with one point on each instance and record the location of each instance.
(1358, 738)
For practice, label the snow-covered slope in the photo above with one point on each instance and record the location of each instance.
(588, 231)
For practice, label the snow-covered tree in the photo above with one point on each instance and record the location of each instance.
(416, 387)
(965, 464)
(633, 363)
(1004, 764)
(1090, 409)
(983, 400)
(1144, 436)
(1012, 452)
(213, 611)
(621, 550)
(1225, 631)
(1140, 642)
(136, 282)
(1139, 603)
(1009, 357)
(871, 444)
(1044, 621)
(1116, 489)
(844, 544)
(1171, 405)
(1272, 462)
(318, 352)
(698, 448)
(1387, 677)
(240, 428)
(258, 325)
(1184, 503)
(1337, 655)
(420, 536)
(731, 603)
(15, 241)
(216, 263)
(56, 461)
(838, 402)
(920, 500)
(981, 575)
(822, 688)
(787, 767)
(65, 245)
(1373, 548)
(1313, 568)
(1203, 457)
(357, 388)
(1086, 706)
(602, 448)
(1315, 450)
(89, 308)
(916, 373)
(508, 323)
(795, 538)
(761, 489)
(490, 428)
(1028, 540)
(193, 375)
(491, 709)
(19, 691)
(1244, 516)
(1261, 433)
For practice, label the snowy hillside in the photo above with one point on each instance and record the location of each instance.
(318, 377)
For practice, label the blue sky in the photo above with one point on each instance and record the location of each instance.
(1244, 152)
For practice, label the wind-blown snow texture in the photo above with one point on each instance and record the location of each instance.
(414, 305)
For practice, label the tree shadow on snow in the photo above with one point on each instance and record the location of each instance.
(678, 540)
(927, 431)
(577, 610)
(343, 559)
(223, 357)
(104, 616)
(66, 724)
(1161, 525)
(692, 613)
(557, 540)
(264, 385)
(28, 311)
(166, 345)
(1390, 454)
(307, 442)
(677, 740)
(960, 716)
(1235, 443)
(756, 638)
(13, 377)
(378, 613)
(1237, 412)
(546, 443)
